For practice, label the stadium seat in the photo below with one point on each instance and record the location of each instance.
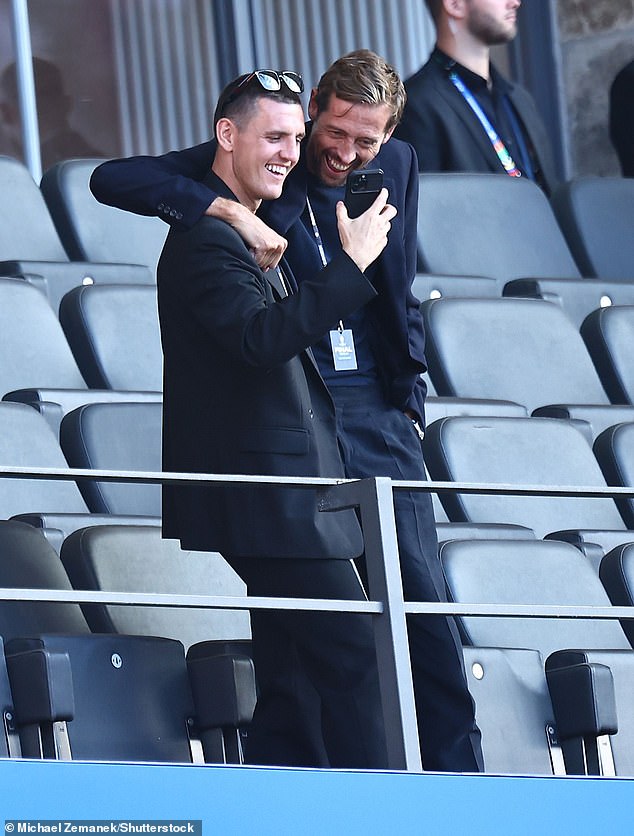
(514, 711)
(116, 436)
(486, 225)
(609, 336)
(30, 247)
(548, 573)
(595, 214)
(28, 561)
(617, 576)
(113, 332)
(26, 440)
(9, 739)
(434, 286)
(91, 231)
(520, 451)
(38, 367)
(576, 297)
(103, 697)
(137, 559)
(521, 350)
(614, 450)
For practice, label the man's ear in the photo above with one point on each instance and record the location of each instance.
(388, 135)
(225, 132)
(312, 105)
(454, 8)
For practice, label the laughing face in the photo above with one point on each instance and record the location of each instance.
(264, 150)
(344, 137)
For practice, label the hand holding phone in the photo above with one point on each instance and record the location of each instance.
(362, 189)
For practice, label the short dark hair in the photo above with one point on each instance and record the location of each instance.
(240, 108)
(434, 7)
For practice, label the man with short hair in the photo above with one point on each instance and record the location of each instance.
(461, 113)
(242, 395)
(380, 400)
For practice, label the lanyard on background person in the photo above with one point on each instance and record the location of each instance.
(498, 146)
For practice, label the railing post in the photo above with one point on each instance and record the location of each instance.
(374, 499)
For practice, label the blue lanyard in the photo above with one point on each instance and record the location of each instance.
(498, 146)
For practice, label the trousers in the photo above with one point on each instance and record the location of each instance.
(377, 439)
(316, 672)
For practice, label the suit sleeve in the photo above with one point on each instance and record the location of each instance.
(167, 186)
(415, 328)
(227, 293)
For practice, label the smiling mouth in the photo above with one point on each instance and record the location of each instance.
(277, 170)
(338, 167)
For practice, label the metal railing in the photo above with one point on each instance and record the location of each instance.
(374, 500)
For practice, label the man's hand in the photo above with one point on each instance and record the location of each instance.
(266, 245)
(364, 238)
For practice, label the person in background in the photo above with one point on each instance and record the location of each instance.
(622, 118)
(380, 398)
(58, 139)
(461, 113)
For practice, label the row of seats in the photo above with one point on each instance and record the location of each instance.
(120, 435)
(551, 694)
(127, 690)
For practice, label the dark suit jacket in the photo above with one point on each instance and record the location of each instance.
(448, 136)
(243, 396)
(622, 118)
(170, 187)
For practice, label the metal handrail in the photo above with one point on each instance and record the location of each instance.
(374, 499)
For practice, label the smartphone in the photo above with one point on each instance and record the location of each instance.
(362, 189)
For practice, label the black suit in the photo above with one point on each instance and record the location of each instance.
(622, 118)
(242, 395)
(448, 136)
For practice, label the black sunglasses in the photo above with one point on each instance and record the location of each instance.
(269, 80)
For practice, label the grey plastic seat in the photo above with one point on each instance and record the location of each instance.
(487, 225)
(30, 247)
(520, 451)
(435, 286)
(521, 350)
(137, 559)
(107, 697)
(92, 231)
(26, 440)
(114, 334)
(116, 436)
(595, 214)
(609, 337)
(38, 367)
(549, 573)
(576, 297)
(514, 711)
(614, 450)
(617, 576)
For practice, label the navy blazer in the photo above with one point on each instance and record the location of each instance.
(242, 395)
(447, 135)
(170, 186)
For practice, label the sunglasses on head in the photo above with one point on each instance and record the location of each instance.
(269, 80)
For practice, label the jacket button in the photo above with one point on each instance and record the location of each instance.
(311, 414)
(160, 207)
(179, 216)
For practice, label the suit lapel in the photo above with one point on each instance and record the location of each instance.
(455, 101)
